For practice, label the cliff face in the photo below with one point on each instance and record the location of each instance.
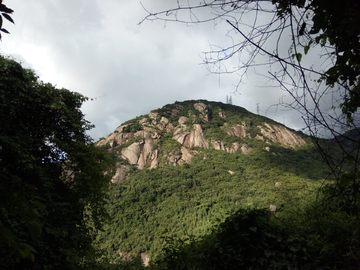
(171, 135)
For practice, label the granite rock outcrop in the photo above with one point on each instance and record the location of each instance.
(171, 136)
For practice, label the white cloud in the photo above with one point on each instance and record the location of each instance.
(98, 49)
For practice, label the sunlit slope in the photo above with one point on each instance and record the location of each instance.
(182, 168)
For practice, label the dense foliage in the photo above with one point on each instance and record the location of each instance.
(5, 13)
(313, 238)
(50, 172)
(327, 232)
(210, 214)
(190, 199)
(53, 179)
(213, 213)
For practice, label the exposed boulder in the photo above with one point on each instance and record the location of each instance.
(180, 133)
(151, 131)
(153, 115)
(219, 145)
(164, 120)
(182, 120)
(238, 131)
(169, 127)
(153, 160)
(191, 138)
(204, 110)
(272, 208)
(282, 135)
(129, 256)
(142, 134)
(201, 107)
(141, 153)
(116, 138)
(163, 123)
(145, 153)
(186, 156)
(143, 121)
(145, 259)
(245, 149)
(131, 153)
(121, 173)
(234, 148)
(196, 138)
(259, 137)
(222, 114)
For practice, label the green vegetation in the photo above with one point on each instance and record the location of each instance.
(214, 212)
(132, 127)
(210, 214)
(53, 179)
(255, 239)
(176, 201)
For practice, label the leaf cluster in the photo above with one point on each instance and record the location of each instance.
(5, 13)
(53, 179)
(335, 24)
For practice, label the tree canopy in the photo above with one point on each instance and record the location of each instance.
(53, 179)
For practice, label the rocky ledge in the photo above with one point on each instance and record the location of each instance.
(141, 142)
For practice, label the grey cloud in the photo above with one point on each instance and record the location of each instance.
(96, 48)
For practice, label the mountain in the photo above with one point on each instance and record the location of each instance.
(184, 167)
(168, 136)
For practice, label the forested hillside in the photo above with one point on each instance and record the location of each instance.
(195, 184)
(198, 185)
(185, 167)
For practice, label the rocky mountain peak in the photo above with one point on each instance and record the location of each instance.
(175, 133)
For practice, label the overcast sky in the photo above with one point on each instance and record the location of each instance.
(98, 49)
